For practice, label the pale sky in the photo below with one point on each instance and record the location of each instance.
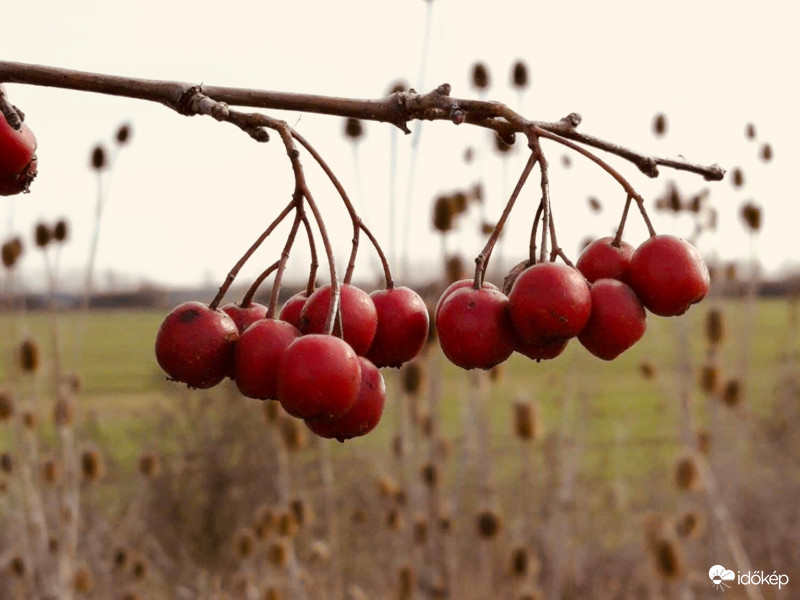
(189, 195)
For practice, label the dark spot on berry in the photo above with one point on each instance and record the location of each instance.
(188, 316)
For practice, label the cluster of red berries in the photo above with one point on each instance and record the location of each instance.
(332, 383)
(17, 158)
(601, 302)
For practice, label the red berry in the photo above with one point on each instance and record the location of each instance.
(245, 316)
(402, 326)
(195, 345)
(549, 300)
(17, 158)
(319, 377)
(359, 317)
(669, 275)
(258, 355)
(366, 412)
(457, 285)
(542, 348)
(602, 260)
(618, 320)
(290, 312)
(474, 328)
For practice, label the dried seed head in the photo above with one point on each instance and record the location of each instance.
(674, 200)
(750, 131)
(446, 523)
(400, 497)
(6, 463)
(480, 76)
(17, 566)
(496, 373)
(686, 474)
(430, 474)
(715, 326)
(387, 487)
(301, 510)
(412, 377)
(660, 124)
(98, 158)
(140, 568)
(709, 379)
(406, 581)
(443, 213)
(92, 467)
(3, 487)
(420, 530)
(272, 593)
(42, 235)
(61, 231)
(426, 425)
(272, 411)
(595, 204)
(647, 369)
(731, 272)
(149, 465)
(519, 75)
(460, 202)
(120, 558)
(527, 424)
(766, 152)
(353, 128)
(83, 581)
(454, 269)
(737, 177)
(394, 520)
(6, 407)
(294, 434)
(63, 412)
(29, 419)
(519, 561)
(751, 215)
(9, 255)
(358, 516)
(51, 471)
(566, 161)
(487, 228)
(732, 393)
(123, 134)
(278, 553)
(667, 558)
(319, 552)
(287, 525)
(469, 155)
(52, 545)
(688, 524)
(489, 523)
(704, 442)
(244, 543)
(28, 356)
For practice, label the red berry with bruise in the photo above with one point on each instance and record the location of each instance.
(196, 344)
(366, 412)
(17, 158)
(618, 320)
(457, 285)
(542, 348)
(291, 309)
(549, 300)
(319, 377)
(669, 275)
(402, 326)
(258, 355)
(475, 330)
(245, 316)
(602, 260)
(359, 317)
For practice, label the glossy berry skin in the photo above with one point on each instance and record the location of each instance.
(457, 285)
(669, 275)
(541, 348)
(602, 260)
(291, 309)
(549, 300)
(319, 377)
(17, 158)
(258, 355)
(365, 414)
(402, 326)
(359, 317)
(475, 330)
(196, 344)
(244, 317)
(618, 320)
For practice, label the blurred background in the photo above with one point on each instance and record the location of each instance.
(561, 479)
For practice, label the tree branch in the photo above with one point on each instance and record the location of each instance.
(397, 109)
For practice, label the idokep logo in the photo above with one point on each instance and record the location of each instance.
(719, 575)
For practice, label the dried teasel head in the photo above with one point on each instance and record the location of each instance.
(527, 423)
(454, 268)
(703, 442)
(16, 566)
(287, 525)
(412, 377)
(51, 470)
(6, 463)
(301, 510)
(766, 152)
(667, 558)
(406, 581)
(42, 235)
(120, 558)
(6, 407)
(294, 434)
(264, 522)
(394, 520)
(488, 523)
(430, 474)
(420, 530)
(443, 213)
(715, 327)
(63, 412)
(28, 356)
(660, 124)
(709, 378)
(737, 177)
(353, 128)
(10, 255)
(83, 582)
(688, 524)
(52, 545)
(594, 204)
(123, 134)
(520, 561)
(278, 553)
(519, 75)
(647, 369)
(732, 393)
(272, 411)
(29, 419)
(61, 231)
(92, 467)
(480, 76)
(752, 216)
(750, 131)
(687, 476)
(140, 568)
(99, 160)
(244, 543)
(271, 593)
(149, 465)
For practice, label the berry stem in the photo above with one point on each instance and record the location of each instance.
(482, 260)
(358, 224)
(312, 246)
(534, 230)
(240, 263)
(287, 248)
(617, 241)
(247, 300)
